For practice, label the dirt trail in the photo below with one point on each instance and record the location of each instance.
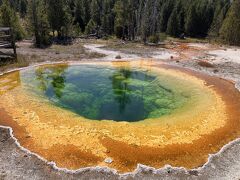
(110, 55)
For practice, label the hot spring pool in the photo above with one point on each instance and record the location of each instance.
(103, 93)
(77, 115)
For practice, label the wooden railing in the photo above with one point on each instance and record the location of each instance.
(7, 41)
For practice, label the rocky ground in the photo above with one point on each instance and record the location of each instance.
(17, 163)
(28, 55)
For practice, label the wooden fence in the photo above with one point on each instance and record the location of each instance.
(7, 41)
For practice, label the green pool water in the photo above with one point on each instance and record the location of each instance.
(106, 93)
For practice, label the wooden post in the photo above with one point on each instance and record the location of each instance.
(13, 43)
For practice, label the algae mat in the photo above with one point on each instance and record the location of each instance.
(78, 115)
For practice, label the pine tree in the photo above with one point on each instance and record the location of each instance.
(96, 11)
(107, 19)
(147, 21)
(144, 30)
(165, 14)
(205, 14)
(79, 14)
(230, 30)
(22, 8)
(9, 18)
(176, 21)
(119, 25)
(91, 27)
(127, 19)
(86, 11)
(173, 24)
(59, 16)
(219, 16)
(191, 26)
(7, 14)
(39, 22)
(132, 8)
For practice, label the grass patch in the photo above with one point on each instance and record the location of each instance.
(11, 63)
(22, 61)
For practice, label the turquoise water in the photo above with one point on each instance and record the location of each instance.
(101, 93)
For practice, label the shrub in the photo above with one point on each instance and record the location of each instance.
(154, 39)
